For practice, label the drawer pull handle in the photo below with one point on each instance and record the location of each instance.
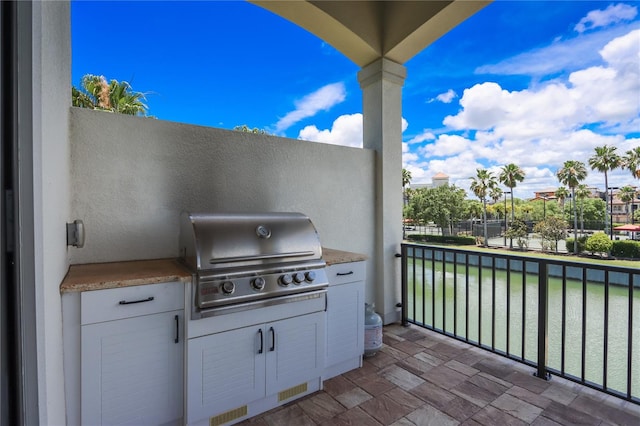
(177, 339)
(125, 302)
(342, 274)
(273, 339)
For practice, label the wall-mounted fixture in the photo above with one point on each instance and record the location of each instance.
(75, 234)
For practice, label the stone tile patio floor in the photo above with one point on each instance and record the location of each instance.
(423, 378)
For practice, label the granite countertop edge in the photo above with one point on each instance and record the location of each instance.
(335, 257)
(102, 276)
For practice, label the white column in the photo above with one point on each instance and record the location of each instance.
(381, 83)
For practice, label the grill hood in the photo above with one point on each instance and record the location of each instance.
(214, 242)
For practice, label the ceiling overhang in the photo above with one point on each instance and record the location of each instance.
(365, 31)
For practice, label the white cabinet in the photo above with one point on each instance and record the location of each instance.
(345, 318)
(131, 361)
(270, 362)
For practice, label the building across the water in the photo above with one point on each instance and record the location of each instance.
(439, 179)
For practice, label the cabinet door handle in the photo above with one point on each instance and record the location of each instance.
(126, 302)
(342, 274)
(177, 339)
(261, 341)
(273, 339)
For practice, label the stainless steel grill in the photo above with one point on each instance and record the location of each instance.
(243, 261)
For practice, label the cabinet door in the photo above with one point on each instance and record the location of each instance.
(345, 322)
(295, 351)
(225, 371)
(132, 370)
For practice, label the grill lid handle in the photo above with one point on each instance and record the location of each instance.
(260, 257)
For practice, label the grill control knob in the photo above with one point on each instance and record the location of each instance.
(286, 279)
(228, 287)
(310, 276)
(258, 283)
(298, 277)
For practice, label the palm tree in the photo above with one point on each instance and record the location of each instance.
(93, 95)
(561, 194)
(627, 194)
(114, 96)
(495, 194)
(631, 161)
(406, 179)
(571, 174)
(603, 160)
(582, 192)
(481, 185)
(510, 175)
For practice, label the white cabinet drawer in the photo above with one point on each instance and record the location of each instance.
(342, 273)
(126, 302)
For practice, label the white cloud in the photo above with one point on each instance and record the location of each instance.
(602, 18)
(446, 97)
(483, 105)
(346, 130)
(446, 145)
(606, 94)
(320, 100)
(417, 174)
(541, 127)
(560, 56)
(459, 168)
(408, 157)
(622, 51)
(426, 135)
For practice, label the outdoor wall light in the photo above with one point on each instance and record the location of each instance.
(75, 234)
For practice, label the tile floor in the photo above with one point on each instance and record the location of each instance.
(422, 378)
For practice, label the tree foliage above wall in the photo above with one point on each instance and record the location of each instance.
(114, 96)
(246, 129)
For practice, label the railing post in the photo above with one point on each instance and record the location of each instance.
(404, 285)
(543, 331)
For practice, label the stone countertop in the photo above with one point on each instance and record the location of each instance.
(100, 276)
(334, 257)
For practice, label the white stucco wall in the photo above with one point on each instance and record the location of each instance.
(51, 96)
(131, 178)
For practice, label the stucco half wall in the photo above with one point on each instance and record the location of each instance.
(131, 177)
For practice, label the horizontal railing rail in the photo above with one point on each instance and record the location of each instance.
(569, 319)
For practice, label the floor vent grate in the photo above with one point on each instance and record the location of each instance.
(291, 392)
(230, 415)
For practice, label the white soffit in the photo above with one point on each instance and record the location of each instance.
(364, 31)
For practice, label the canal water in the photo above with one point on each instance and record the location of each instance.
(504, 306)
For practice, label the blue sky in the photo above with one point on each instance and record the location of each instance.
(530, 82)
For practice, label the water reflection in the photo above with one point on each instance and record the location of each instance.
(468, 304)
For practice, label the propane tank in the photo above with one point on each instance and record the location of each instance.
(372, 330)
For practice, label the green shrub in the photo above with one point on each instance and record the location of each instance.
(626, 248)
(442, 239)
(581, 242)
(519, 231)
(598, 243)
(551, 230)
